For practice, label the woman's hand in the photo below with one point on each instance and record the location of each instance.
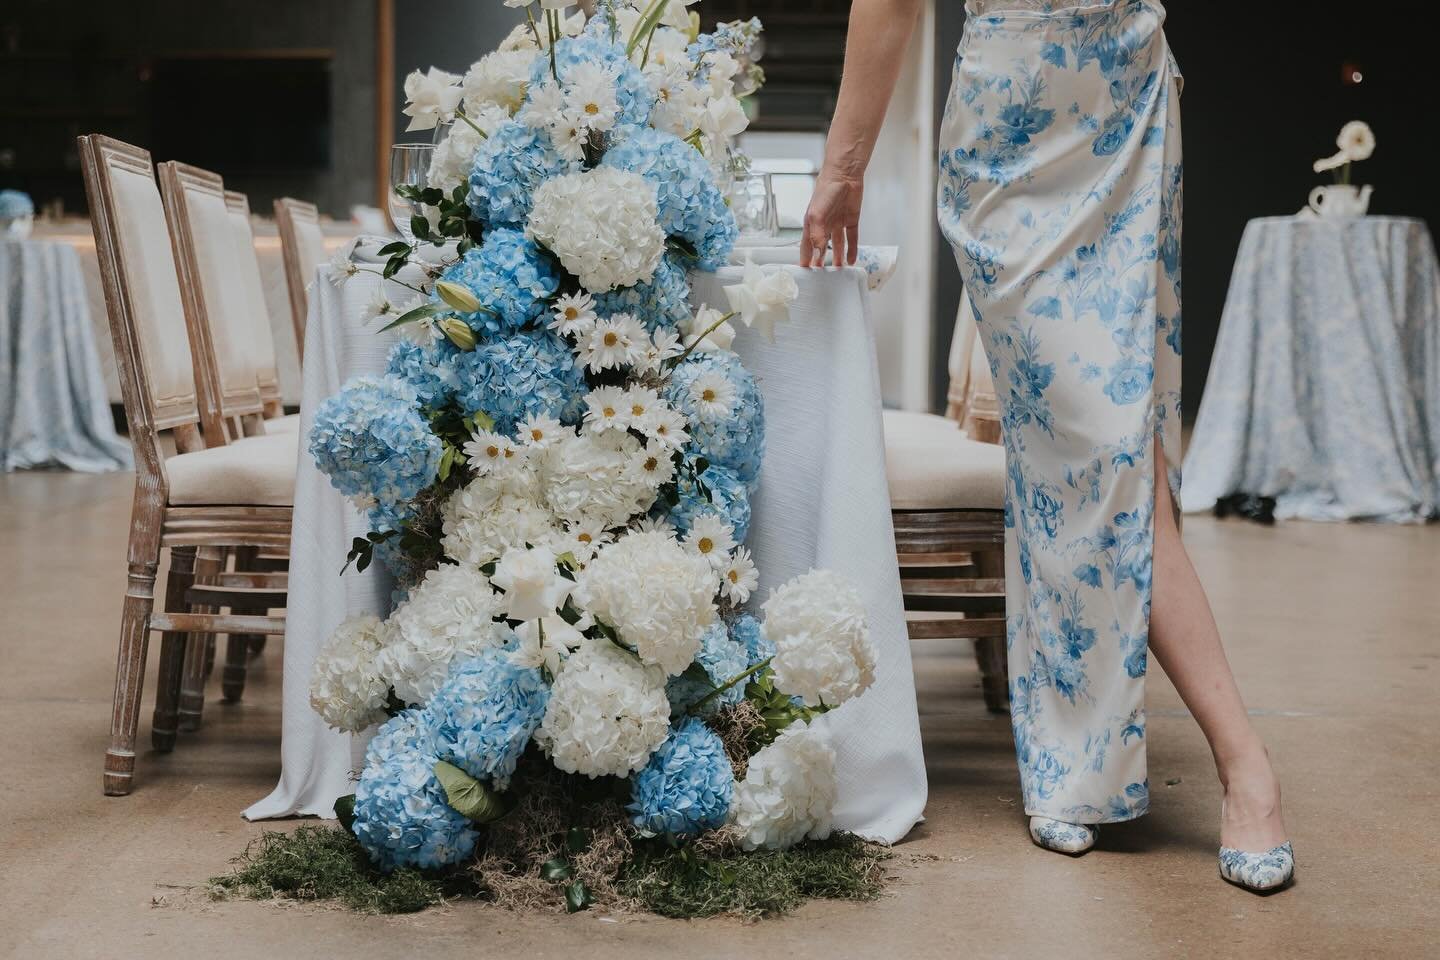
(833, 218)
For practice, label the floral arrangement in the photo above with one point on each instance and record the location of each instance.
(1356, 142)
(558, 466)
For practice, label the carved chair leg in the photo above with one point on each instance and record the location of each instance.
(130, 672)
(237, 656)
(990, 652)
(172, 651)
(209, 562)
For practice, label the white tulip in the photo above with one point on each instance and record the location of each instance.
(763, 296)
(431, 98)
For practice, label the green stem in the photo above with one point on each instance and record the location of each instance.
(378, 273)
(728, 684)
(646, 25)
(700, 339)
(461, 114)
(551, 24)
(534, 30)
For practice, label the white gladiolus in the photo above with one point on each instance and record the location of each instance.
(823, 652)
(346, 687)
(431, 98)
(656, 593)
(763, 296)
(607, 713)
(602, 224)
(484, 519)
(450, 614)
(788, 792)
(533, 587)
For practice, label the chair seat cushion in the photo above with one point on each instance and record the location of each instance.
(932, 465)
(255, 471)
(289, 423)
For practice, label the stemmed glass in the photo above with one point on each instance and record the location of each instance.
(409, 167)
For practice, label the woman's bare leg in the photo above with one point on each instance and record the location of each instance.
(1186, 641)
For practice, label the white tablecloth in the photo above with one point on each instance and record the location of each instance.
(53, 409)
(823, 502)
(1324, 389)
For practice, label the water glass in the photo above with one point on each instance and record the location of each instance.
(409, 167)
(752, 200)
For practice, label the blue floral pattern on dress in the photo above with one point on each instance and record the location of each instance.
(1060, 187)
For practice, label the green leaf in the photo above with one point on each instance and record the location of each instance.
(577, 840)
(578, 897)
(556, 870)
(420, 226)
(395, 264)
(701, 465)
(394, 247)
(419, 313)
(468, 796)
(431, 195)
(447, 460)
(345, 811)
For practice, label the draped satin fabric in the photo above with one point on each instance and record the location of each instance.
(1060, 187)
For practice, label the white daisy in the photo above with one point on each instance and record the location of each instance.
(653, 464)
(712, 395)
(655, 525)
(642, 402)
(488, 452)
(379, 306)
(574, 315)
(605, 409)
(569, 135)
(666, 425)
(590, 95)
(739, 578)
(663, 345)
(342, 268)
(612, 343)
(713, 539)
(542, 106)
(540, 432)
(582, 540)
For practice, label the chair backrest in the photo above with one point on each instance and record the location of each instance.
(262, 343)
(302, 244)
(143, 302)
(214, 298)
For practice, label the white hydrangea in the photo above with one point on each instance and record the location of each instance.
(497, 79)
(607, 713)
(485, 518)
(823, 652)
(788, 792)
(655, 592)
(449, 614)
(346, 687)
(450, 164)
(589, 479)
(602, 224)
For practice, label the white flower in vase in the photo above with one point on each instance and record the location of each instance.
(431, 98)
(533, 587)
(1356, 140)
(723, 119)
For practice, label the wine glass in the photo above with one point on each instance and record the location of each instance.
(409, 167)
(752, 200)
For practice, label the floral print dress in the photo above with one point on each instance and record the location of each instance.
(1060, 186)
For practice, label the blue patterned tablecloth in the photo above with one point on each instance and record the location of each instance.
(1324, 389)
(53, 408)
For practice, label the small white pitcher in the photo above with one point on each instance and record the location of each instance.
(1341, 200)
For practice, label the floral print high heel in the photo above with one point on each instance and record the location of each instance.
(1062, 837)
(1258, 872)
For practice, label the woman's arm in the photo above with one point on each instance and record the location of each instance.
(878, 34)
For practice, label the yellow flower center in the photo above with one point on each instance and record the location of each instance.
(707, 395)
(509, 453)
(652, 464)
(584, 538)
(571, 313)
(706, 544)
(592, 108)
(611, 339)
(492, 451)
(733, 576)
(637, 410)
(537, 434)
(608, 411)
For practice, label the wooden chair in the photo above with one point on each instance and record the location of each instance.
(947, 492)
(302, 245)
(231, 345)
(211, 493)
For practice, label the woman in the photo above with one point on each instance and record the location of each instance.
(1060, 193)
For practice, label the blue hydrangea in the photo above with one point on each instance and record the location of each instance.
(370, 439)
(508, 274)
(687, 786)
(401, 817)
(528, 373)
(736, 442)
(729, 500)
(749, 633)
(485, 714)
(691, 204)
(427, 368)
(722, 659)
(661, 301)
(510, 164)
(632, 93)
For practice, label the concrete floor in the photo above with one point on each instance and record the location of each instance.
(1334, 631)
